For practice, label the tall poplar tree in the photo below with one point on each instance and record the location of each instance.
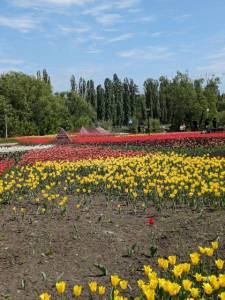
(109, 99)
(82, 87)
(91, 93)
(133, 88)
(73, 84)
(100, 103)
(118, 116)
(126, 101)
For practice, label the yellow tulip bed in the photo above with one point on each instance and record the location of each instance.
(155, 178)
(201, 277)
(58, 195)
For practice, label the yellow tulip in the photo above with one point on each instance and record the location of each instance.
(77, 290)
(195, 258)
(215, 245)
(222, 296)
(209, 251)
(123, 284)
(115, 280)
(163, 263)
(219, 264)
(60, 287)
(194, 292)
(174, 289)
(93, 286)
(198, 277)
(101, 290)
(116, 292)
(45, 296)
(187, 284)
(147, 269)
(172, 259)
(222, 280)
(207, 288)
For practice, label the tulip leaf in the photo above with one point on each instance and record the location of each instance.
(102, 268)
(23, 284)
(44, 275)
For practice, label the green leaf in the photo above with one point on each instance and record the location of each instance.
(44, 276)
(102, 268)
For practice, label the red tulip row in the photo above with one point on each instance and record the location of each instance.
(6, 164)
(146, 138)
(67, 153)
(35, 139)
(78, 139)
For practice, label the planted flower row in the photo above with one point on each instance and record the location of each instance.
(117, 139)
(147, 138)
(48, 139)
(67, 153)
(201, 277)
(153, 178)
(20, 148)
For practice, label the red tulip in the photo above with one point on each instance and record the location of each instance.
(151, 221)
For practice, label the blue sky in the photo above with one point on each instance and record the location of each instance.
(137, 39)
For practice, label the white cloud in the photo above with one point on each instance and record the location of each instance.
(110, 29)
(219, 54)
(124, 4)
(182, 18)
(97, 37)
(85, 39)
(156, 34)
(21, 23)
(106, 13)
(214, 63)
(93, 50)
(150, 53)
(145, 19)
(217, 67)
(7, 61)
(109, 19)
(70, 29)
(99, 9)
(122, 37)
(33, 3)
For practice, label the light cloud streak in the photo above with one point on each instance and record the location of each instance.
(150, 53)
(125, 4)
(11, 62)
(122, 37)
(38, 3)
(21, 23)
(98, 9)
(74, 29)
(109, 19)
(182, 18)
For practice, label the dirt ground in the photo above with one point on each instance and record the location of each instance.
(40, 249)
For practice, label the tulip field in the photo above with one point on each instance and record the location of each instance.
(113, 217)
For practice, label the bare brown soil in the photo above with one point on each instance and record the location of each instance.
(40, 249)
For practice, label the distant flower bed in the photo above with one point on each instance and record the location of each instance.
(35, 139)
(156, 139)
(146, 138)
(67, 153)
(23, 148)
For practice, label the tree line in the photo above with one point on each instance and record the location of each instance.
(28, 105)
